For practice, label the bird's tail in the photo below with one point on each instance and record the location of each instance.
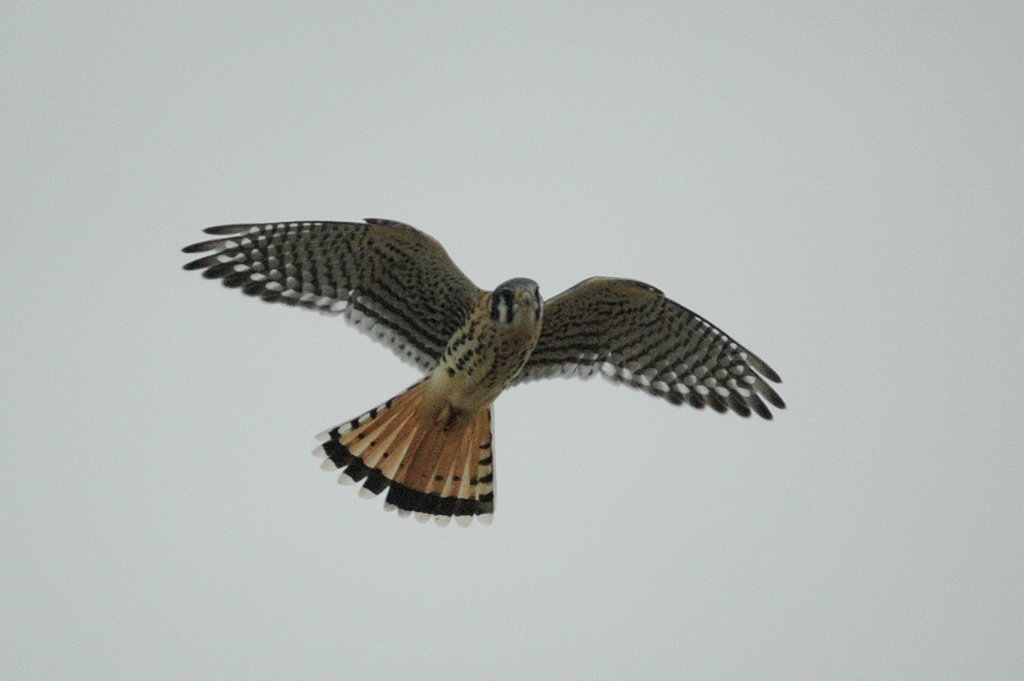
(430, 463)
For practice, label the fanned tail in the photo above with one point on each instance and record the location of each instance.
(431, 466)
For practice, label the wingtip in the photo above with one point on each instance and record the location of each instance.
(761, 367)
(198, 247)
(236, 228)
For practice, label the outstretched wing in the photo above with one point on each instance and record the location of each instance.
(633, 334)
(389, 279)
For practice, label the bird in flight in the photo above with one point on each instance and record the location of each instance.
(430, 446)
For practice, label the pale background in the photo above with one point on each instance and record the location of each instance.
(838, 185)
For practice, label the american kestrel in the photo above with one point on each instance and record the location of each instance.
(430, 446)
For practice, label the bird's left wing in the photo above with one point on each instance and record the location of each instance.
(633, 334)
(391, 280)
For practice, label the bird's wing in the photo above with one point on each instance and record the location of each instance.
(631, 333)
(390, 280)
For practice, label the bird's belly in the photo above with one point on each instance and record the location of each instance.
(467, 390)
(473, 388)
(476, 368)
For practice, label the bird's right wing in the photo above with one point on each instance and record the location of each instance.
(633, 334)
(392, 281)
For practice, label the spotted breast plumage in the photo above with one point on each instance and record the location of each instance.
(430, 447)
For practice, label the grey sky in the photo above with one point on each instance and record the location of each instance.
(837, 185)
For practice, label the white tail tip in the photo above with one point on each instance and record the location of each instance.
(328, 465)
(344, 479)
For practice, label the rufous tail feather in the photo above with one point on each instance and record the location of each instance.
(435, 467)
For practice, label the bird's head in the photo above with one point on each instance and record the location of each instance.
(517, 302)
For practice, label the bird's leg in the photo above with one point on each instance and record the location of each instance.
(450, 416)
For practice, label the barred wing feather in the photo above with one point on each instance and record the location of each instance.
(631, 333)
(390, 280)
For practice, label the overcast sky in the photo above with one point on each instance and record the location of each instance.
(837, 185)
